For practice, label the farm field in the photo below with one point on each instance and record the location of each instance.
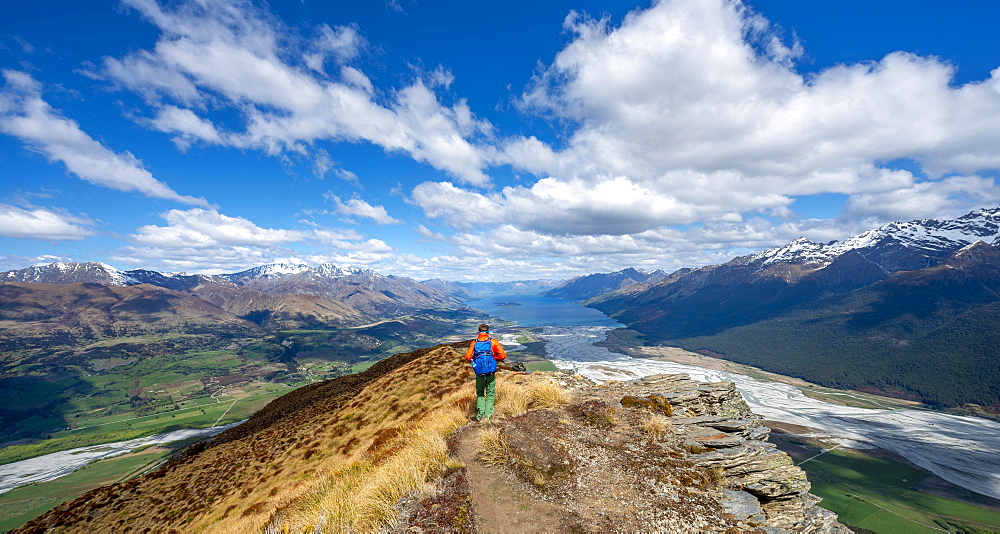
(879, 494)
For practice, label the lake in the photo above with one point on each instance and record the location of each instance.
(536, 310)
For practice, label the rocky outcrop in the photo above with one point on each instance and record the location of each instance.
(665, 454)
(760, 486)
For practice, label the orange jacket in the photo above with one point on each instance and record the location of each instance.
(498, 353)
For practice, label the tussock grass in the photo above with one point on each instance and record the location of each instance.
(513, 398)
(493, 448)
(518, 393)
(548, 395)
(363, 496)
(656, 425)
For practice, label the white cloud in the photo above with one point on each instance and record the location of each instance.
(207, 241)
(41, 223)
(209, 228)
(187, 126)
(356, 207)
(25, 115)
(342, 43)
(946, 198)
(698, 106)
(461, 208)
(230, 54)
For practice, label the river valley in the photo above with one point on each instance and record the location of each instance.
(961, 450)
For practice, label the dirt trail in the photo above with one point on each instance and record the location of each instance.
(503, 503)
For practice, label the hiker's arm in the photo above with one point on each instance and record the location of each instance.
(469, 352)
(498, 353)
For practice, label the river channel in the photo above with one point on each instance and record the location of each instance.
(57, 464)
(962, 450)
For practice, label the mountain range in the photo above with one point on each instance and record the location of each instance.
(592, 285)
(276, 295)
(897, 310)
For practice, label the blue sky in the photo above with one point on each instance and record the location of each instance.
(472, 142)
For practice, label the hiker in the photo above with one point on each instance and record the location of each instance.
(483, 354)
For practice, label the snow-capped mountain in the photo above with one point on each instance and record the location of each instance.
(69, 273)
(752, 287)
(895, 246)
(319, 295)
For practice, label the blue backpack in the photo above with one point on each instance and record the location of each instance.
(482, 357)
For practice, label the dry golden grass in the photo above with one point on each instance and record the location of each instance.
(656, 425)
(513, 398)
(493, 449)
(545, 394)
(518, 393)
(361, 495)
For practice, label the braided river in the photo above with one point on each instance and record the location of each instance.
(962, 450)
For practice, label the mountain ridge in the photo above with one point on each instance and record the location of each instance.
(379, 451)
(742, 308)
(269, 295)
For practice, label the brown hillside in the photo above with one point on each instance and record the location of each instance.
(285, 456)
(28, 307)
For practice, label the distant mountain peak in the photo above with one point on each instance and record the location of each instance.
(70, 272)
(925, 241)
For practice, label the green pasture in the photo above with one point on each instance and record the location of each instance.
(878, 494)
(544, 365)
(202, 413)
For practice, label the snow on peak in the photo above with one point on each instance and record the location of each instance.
(926, 234)
(801, 250)
(70, 272)
(332, 271)
(275, 269)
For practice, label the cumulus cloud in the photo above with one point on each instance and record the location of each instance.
(357, 207)
(25, 115)
(700, 103)
(203, 240)
(691, 133)
(41, 223)
(209, 228)
(233, 55)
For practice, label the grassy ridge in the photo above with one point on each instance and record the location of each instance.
(67, 395)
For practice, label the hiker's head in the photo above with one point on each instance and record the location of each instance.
(484, 328)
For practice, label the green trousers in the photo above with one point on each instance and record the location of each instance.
(486, 394)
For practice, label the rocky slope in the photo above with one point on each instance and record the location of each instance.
(383, 450)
